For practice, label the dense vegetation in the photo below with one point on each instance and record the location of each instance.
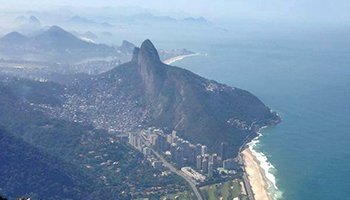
(49, 158)
(26, 171)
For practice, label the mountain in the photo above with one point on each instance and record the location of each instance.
(90, 35)
(27, 24)
(146, 92)
(57, 39)
(35, 20)
(203, 110)
(13, 43)
(167, 19)
(53, 44)
(150, 17)
(28, 21)
(127, 46)
(13, 38)
(87, 36)
(199, 20)
(84, 21)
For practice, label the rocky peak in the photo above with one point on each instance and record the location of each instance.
(34, 20)
(56, 29)
(146, 54)
(127, 46)
(151, 68)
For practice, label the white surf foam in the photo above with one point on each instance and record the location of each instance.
(267, 167)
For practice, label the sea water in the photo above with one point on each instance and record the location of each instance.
(268, 169)
(306, 79)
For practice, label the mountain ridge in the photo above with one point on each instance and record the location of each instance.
(12, 37)
(53, 44)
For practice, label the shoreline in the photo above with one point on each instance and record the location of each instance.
(177, 58)
(256, 176)
(256, 167)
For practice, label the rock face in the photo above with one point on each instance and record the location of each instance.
(151, 69)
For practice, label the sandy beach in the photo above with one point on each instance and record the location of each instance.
(177, 58)
(256, 176)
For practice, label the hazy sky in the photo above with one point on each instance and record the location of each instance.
(329, 11)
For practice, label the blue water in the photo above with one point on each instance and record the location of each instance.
(307, 81)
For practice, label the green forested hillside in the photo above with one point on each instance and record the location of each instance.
(27, 171)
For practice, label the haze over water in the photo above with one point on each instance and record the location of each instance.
(307, 81)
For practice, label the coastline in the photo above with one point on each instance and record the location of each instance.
(258, 170)
(177, 58)
(256, 177)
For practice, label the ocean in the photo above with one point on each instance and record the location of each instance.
(306, 79)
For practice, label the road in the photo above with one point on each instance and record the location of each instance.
(179, 173)
(246, 181)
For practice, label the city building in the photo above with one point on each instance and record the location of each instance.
(160, 143)
(179, 157)
(204, 150)
(130, 138)
(146, 151)
(223, 150)
(210, 169)
(229, 164)
(199, 163)
(192, 154)
(205, 165)
(138, 143)
(153, 139)
(188, 171)
(198, 149)
(173, 134)
(214, 159)
(123, 138)
(169, 139)
(173, 148)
